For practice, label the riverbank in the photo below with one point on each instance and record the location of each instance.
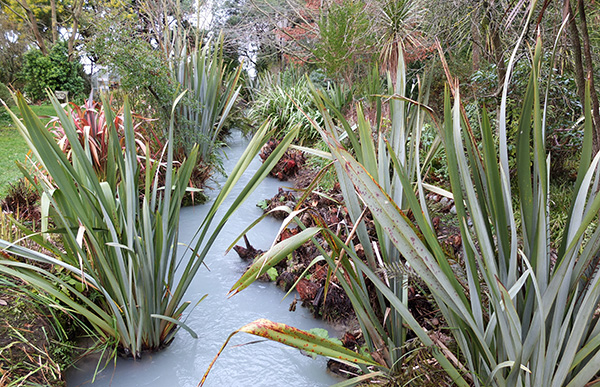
(318, 289)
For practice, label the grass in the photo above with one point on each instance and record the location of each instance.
(13, 147)
(329, 178)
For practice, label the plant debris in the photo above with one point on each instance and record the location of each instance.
(288, 165)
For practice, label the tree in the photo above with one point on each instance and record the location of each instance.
(134, 40)
(479, 27)
(251, 29)
(346, 39)
(53, 71)
(143, 70)
(23, 11)
(41, 20)
(332, 34)
(12, 48)
(583, 60)
(399, 24)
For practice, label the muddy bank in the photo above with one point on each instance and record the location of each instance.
(34, 340)
(319, 290)
(327, 209)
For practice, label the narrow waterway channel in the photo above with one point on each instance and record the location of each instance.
(185, 361)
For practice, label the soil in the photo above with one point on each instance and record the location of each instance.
(30, 352)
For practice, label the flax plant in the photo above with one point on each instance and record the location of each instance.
(117, 238)
(385, 340)
(372, 149)
(213, 91)
(520, 317)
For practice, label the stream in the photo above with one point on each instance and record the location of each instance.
(261, 363)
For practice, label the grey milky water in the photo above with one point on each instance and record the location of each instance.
(260, 364)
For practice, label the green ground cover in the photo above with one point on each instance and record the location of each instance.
(13, 147)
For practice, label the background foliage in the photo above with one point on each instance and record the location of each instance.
(54, 72)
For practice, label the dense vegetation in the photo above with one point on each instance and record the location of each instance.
(490, 104)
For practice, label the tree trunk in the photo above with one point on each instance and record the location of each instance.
(494, 50)
(578, 55)
(74, 27)
(589, 67)
(576, 49)
(477, 44)
(498, 53)
(54, 22)
(34, 26)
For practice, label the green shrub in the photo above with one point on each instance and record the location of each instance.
(286, 106)
(521, 313)
(339, 94)
(563, 136)
(5, 95)
(143, 71)
(286, 78)
(53, 71)
(319, 78)
(346, 39)
(385, 340)
(371, 85)
(213, 90)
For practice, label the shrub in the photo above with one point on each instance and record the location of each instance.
(142, 69)
(213, 90)
(521, 314)
(286, 107)
(21, 200)
(371, 85)
(385, 341)
(92, 128)
(55, 72)
(5, 95)
(564, 137)
(340, 95)
(346, 39)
